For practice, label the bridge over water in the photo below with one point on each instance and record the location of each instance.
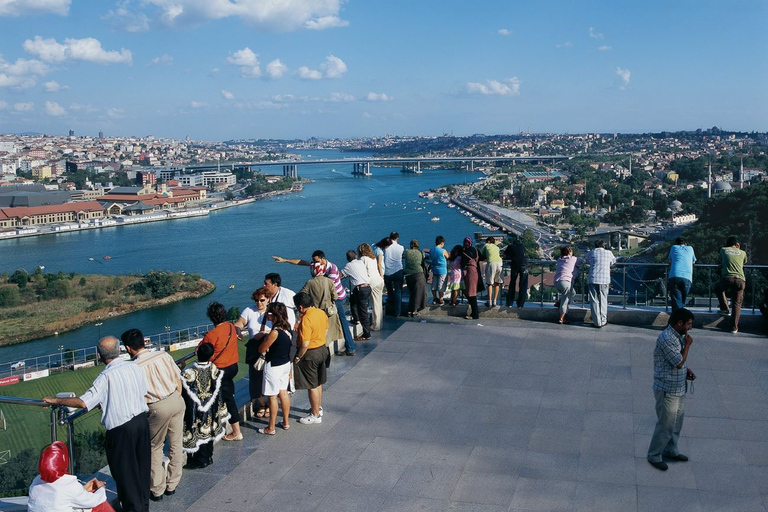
(362, 166)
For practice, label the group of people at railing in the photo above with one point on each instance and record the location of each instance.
(149, 400)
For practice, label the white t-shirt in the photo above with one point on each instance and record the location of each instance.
(373, 271)
(393, 259)
(253, 321)
(357, 273)
(63, 495)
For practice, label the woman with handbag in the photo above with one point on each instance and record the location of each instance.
(323, 294)
(414, 279)
(255, 319)
(470, 261)
(277, 368)
(223, 337)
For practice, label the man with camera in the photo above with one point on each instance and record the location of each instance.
(670, 383)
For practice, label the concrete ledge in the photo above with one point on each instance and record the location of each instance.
(754, 324)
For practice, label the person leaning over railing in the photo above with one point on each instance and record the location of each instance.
(733, 281)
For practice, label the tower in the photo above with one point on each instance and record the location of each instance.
(741, 174)
(709, 180)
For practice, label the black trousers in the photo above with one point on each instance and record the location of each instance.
(128, 456)
(203, 454)
(522, 294)
(360, 297)
(228, 392)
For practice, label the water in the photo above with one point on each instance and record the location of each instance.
(234, 246)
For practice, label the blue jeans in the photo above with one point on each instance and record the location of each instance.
(349, 343)
(394, 284)
(670, 411)
(678, 291)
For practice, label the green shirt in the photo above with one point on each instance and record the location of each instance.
(492, 254)
(413, 258)
(733, 260)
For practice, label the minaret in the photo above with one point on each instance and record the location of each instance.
(741, 174)
(709, 181)
(630, 164)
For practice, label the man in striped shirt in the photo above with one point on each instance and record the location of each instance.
(119, 390)
(600, 261)
(166, 412)
(332, 273)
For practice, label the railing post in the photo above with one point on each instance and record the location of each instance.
(624, 288)
(54, 411)
(709, 287)
(541, 292)
(754, 297)
(71, 446)
(666, 296)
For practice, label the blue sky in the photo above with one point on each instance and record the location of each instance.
(223, 69)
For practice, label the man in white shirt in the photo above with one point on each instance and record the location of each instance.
(393, 275)
(273, 283)
(360, 296)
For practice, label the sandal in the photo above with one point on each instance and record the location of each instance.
(285, 426)
(261, 412)
(238, 437)
(266, 431)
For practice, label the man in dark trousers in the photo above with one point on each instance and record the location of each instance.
(518, 268)
(120, 390)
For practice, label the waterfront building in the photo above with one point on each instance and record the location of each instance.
(36, 215)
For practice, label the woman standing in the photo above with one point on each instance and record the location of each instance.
(376, 275)
(455, 279)
(255, 319)
(415, 280)
(470, 270)
(223, 337)
(277, 370)
(323, 294)
(564, 275)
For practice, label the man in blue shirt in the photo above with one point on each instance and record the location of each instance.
(670, 376)
(681, 259)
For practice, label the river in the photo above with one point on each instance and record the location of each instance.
(234, 246)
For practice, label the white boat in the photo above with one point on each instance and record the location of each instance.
(435, 219)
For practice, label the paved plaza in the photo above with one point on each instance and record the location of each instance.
(505, 416)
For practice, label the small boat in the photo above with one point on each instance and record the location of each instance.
(435, 219)
(90, 259)
(107, 257)
(231, 287)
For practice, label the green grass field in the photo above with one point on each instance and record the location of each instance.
(29, 427)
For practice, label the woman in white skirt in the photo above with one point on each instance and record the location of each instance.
(277, 370)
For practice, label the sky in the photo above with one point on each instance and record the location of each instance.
(245, 69)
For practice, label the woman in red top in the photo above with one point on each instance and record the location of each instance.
(223, 337)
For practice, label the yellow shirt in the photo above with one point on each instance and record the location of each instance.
(312, 328)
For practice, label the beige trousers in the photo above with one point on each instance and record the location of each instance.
(166, 419)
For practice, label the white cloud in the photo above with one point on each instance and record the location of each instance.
(127, 21)
(22, 7)
(604, 48)
(504, 32)
(325, 22)
(276, 69)
(282, 15)
(214, 72)
(566, 44)
(198, 104)
(366, 115)
(624, 74)
(227, 95)
(54, 86)
(22, 73)
(24, 107)
(308, 74)
(86, 50)
(3, 104)
(333, 67)
(373, 96)
(509, 87)
(248, 62)
(115, 113)
(595, 35)
(162, 60)
(341, 97)
(53, 109)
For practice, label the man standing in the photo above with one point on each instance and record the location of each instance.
(681, 259)
(518, 268)
(311, 354)
(439, 257)
(166, 412)
(732, 282)
(273, 284)
(493, 279)
(360, 296)
(670, 374)
(120, 390)
(331, 272)
(600, 261)
(393, 275)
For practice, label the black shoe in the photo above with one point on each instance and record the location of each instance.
(199, 464)
(659, 465)
(169, 492)
(155, 498)
(679, 457)
(350, 354)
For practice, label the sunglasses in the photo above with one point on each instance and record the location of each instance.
(261, 300)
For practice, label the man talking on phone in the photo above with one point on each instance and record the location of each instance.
(670, 376)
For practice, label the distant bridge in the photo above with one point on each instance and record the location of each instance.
(362, 166)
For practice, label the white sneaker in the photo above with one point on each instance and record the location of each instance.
(321, 412)
(310, 419)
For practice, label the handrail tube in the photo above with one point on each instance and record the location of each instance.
(14, 400)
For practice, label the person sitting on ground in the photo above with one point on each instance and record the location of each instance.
(255, 319)
(55, 490)
(415, 280)
(277, 370)
(205, 415)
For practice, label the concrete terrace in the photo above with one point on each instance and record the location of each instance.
(504, 415)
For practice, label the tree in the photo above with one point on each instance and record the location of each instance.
(9, 296)
(20, 278)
